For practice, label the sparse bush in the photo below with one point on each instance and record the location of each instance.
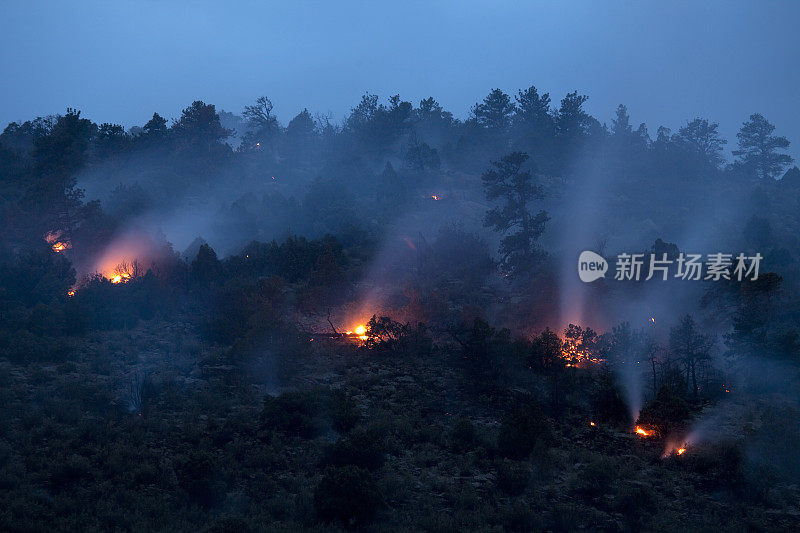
(635, 499)
(596, 478)
(66, 474)
(513, 478)
(463, 435)
(230, 524)
(720, 466)
(344, 412)
(347, 495)
(361, 448)
(520, 517)
(198, 475)
(522, 431)
(293, 413)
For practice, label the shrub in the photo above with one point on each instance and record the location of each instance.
(720, 466)
(513, 478)
(667, 411)
(523, 430)
(293, 413)
(347, 495)
(199, 477)
(596, 478)
(634, 499)
(230, 524)
(344, 412)
(520, 517)
(361, 448)
(72, 471)
(463, 435)
(609, 407)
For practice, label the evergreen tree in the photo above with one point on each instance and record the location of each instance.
(507, 181)
(759, 148)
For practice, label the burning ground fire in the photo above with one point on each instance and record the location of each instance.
(359, 331)
(126, 258)
(672, 447)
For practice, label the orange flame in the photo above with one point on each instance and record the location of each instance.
(642, 432)
(53, 239)
(360, 331)
(123, 277)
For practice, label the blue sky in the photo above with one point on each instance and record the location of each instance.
(667, 61)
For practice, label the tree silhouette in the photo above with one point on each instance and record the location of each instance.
(702, 139)
(507, 181)
(758, 148)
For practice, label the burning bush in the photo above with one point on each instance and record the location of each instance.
(383, 333)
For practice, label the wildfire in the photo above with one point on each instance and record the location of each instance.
(642, 432)
(53, 238)
(435, 197)
(578, 347)
(360, 331)
(71, 293)
(592, 424)
(675, 449)
(123, 277)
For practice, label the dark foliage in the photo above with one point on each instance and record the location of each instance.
(347, 495)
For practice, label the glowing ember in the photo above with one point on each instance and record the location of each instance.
(579, 347)
(642, 432)
(592, 424)
(652, 320)
(435, 197)
(53, 238)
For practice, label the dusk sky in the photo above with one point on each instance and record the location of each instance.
(668, 62)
